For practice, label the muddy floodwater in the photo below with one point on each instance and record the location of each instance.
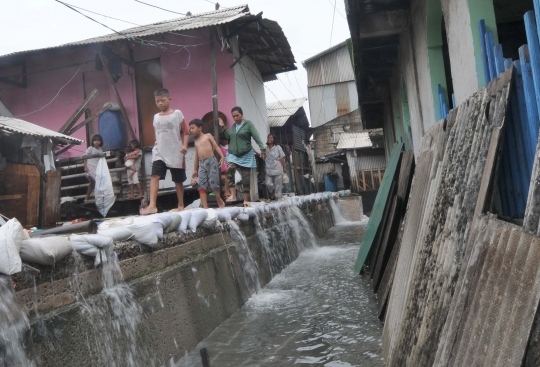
(315, 313)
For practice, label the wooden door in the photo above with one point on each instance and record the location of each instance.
(148, 79)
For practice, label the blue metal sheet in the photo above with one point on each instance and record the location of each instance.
(490, 44)
(482, 31)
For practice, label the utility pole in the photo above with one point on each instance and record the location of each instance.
(214, 85)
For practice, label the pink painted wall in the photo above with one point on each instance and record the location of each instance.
(191, 88)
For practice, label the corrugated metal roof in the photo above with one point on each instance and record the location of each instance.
(325, 52)
(280, 111)
(332, 67)
(213, 18)
(27, 128)
(354, 140)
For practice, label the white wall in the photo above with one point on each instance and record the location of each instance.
(250, 93)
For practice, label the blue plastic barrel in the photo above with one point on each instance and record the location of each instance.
(113, 130)
(330, 183)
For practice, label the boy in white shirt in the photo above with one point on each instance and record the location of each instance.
(172, 136)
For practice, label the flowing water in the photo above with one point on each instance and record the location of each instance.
(315, 312)
(15, 327)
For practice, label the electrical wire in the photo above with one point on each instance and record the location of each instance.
(288, 90)
(125, 21)
(340, 13)
(333, 18)
(57, 94)
(301, 91)
(154, 6)
(270, 90)
(249, 88)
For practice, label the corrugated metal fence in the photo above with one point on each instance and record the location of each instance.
(521, 133)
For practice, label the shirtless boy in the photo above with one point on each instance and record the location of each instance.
(172, 137)
(206, 166)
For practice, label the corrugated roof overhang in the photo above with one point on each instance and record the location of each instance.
(17, 126)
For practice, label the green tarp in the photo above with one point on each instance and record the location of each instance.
(378, 207)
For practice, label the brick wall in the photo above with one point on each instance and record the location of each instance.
(323, 135)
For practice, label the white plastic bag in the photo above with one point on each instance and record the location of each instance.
(94, 245)
(103, 192)
(117, 233)
(186, 216)
(175, 223)
(145, 233)
(45, 250)
(10, 245)
(211, 219)
(197, 217)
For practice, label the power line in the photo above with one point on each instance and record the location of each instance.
(249, 88)
(57, 94)
(301, 91)
(340, 13)
(154, 6)
(288, 90)
(125, 21)
(270, 90)
(333, 18)
(92, 19)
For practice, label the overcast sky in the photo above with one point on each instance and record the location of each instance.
(30, 24)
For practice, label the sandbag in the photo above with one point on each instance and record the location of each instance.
(232, 211)
(223, 216)
(175, 223)
(117, 233)
(45, 250)
(243, 217)
(144, 233)
(10, 245)
(103, 192)
(197, 217)
(94, 245)
(211, 219)
(186, 216)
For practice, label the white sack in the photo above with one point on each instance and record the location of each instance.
(117, 233)
(232, 211)
(175, 223)
(10, 245)
(45, 250)
(243, 217)
(186, 216)
(103, 192)
(223, 216)
(197, 217)
(94, 245)
(211, 219)
(144, 233)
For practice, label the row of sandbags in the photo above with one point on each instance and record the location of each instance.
(16, 246)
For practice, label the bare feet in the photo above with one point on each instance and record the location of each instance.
(180, 208)
(231, 199)
(86, 201)
(148, 210)
(130, 197)
(140, 196)
(246, 204)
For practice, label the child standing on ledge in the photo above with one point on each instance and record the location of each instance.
(132, 163)
(206, 166)
(90, 165)
(172, 137)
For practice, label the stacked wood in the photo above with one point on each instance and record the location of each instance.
(455, 178)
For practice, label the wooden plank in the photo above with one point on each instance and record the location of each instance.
(64, 149)
(36, 161)
(32, 200)
(11, 197)
(482, 32)
(51, 212)
(371, 260)
(388, 240)
(490, 43)
(78, 112)
(86, 121)
(111, 170)
(406, 172)
(81, 165)
(372, 180)
(364, 180)
(117, 95)
(385, 285)
(378, 207)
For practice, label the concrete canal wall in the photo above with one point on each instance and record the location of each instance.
(184, 288)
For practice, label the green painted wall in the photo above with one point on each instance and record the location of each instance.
(435, 54)
(481, 9)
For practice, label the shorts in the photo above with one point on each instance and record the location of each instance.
(129, 163)
(245, 173)
(208, 174)
(159, 168)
